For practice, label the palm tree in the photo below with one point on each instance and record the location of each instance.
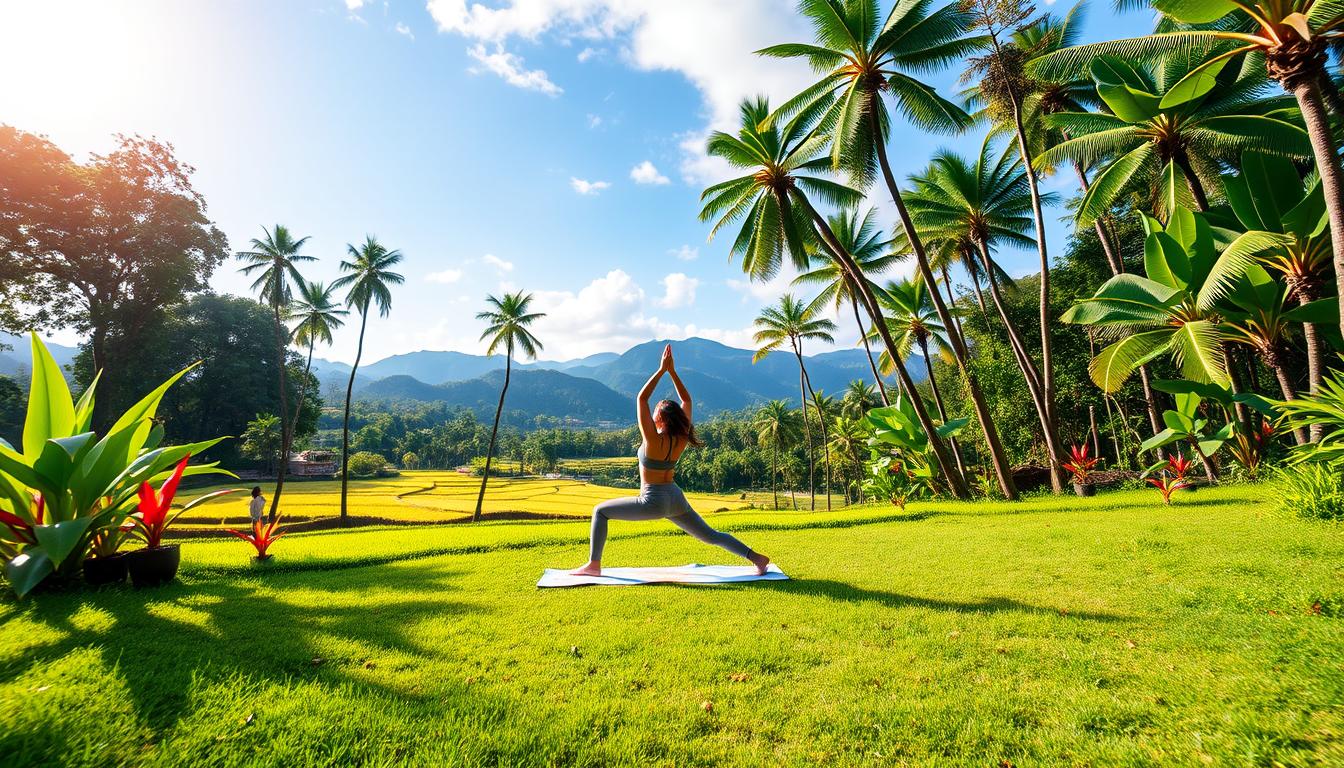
(858, 398)
(780, 219)
(274, 256)
(793, 321)
(863, 240)
(981, 205)
(849, 441)
(318, 315)
(777, 426)
(1291, 37)
(1256, 315)
(910, 315)
(508, 319)
(368, 279)
(862, 63)
(1165, 140)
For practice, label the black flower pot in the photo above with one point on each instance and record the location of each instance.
(101, 571)
(1085, 489)
(153, 567)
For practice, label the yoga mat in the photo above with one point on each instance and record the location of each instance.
(685, 574)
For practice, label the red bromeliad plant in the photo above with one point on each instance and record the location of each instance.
(151, 516)
(1173, 477)
(263, 535)
(20, 531)
(1080, 463)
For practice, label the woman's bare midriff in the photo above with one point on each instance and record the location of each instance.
(656, 476)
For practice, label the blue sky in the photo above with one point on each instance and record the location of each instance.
(548, 145)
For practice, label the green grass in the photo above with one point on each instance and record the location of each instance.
(1109, 631)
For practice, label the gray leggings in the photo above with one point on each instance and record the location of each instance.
(655, 501)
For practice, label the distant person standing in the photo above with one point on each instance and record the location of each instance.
(257, 506)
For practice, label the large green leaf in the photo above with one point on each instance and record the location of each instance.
(1274, 186)
(1310, 217)
(1124, 90)
(1318, 311)
(1194, 85)
(63, 539)
(1195, 11)
(1165, 437)
(1198, 347)
(1234, 263)
(51, 411)
(142, 412)
(1112, 182)
(84, 408)
(1115, 363)
(27, 570)
(1206, 390)
(1165, 261)
(1174, 190)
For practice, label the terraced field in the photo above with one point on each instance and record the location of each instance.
(428, 496)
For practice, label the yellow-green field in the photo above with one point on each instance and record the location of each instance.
(427, 496)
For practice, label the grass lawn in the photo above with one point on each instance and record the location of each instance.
(1109, 631)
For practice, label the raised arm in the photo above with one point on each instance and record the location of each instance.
(683, 394)
(647, 430)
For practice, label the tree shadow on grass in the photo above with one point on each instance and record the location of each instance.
(166, 641)
(840, 591)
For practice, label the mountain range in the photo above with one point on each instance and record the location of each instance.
(601, 387)
(16, 355)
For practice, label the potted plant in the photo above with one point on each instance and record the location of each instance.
(65, 485)
(1080, 465)
(157, 563)
(263, 535)
(105, 565)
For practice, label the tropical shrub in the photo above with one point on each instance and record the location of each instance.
(66, 485)
(1313, 490)
(1171, 476)
(263, 535)
(891, 479)
(368, 464)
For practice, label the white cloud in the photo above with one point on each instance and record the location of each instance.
(678, 290)
(765, 291)
(354, 5)
(685, 253)
(586, 54)
(646, 173)
(653, 37)
(402, 29)
(498, 263)
(585, 187)
(594, 121)
(444, 277)
(510, 67)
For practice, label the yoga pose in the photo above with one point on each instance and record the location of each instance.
(666, 432)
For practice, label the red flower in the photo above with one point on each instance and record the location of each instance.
(1178, 465)
(152, 514)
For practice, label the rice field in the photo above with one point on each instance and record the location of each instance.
(427, 496)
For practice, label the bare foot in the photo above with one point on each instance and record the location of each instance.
(593, 568)
(760, 561)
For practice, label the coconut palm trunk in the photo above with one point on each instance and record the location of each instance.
(807, 429)
(494, 432)
(997, 454)
(1024, 362)
(298, 407)
(774, 473)
(1307, 92)
(345, 423)
(1274, 360)
(1047, 369)
(863, 335)
(825, 436)
(938, 402)
(283, 376)
(955, 481)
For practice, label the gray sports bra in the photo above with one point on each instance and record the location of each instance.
(667, 463)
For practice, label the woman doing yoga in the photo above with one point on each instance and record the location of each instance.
(666, 432)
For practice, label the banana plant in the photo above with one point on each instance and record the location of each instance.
(1174, 310)
(65, 485)
(1184, 424)
(900, 445)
